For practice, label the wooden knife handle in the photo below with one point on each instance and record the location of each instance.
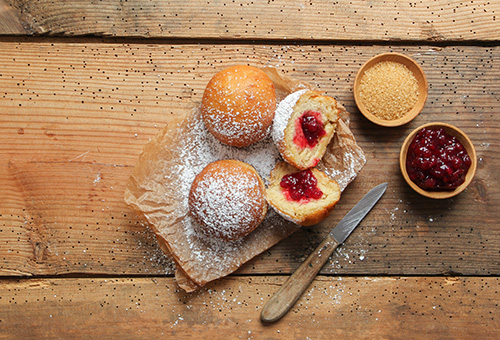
(297, 283)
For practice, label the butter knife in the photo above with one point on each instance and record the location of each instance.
(297, 283)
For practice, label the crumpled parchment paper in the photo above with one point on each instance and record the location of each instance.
(159, 185)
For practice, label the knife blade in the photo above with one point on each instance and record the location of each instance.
(286, 296)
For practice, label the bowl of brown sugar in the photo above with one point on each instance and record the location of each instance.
(390, 89)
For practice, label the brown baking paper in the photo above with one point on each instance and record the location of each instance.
(159, 186)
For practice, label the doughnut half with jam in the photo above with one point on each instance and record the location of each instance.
(305, 197)
(310, 126)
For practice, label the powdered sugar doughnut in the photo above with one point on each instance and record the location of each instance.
(238, 105)
(227, 199)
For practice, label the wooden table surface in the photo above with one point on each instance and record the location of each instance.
(85, 84)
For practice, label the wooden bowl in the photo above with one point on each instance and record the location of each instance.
(464, 140)
(422, 88)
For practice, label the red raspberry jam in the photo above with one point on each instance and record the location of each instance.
(301, 185)
(309, 129)
(437, 160)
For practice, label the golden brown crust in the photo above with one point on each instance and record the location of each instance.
(308, 213)
(306, 157)
(238, 105)
(227, 199)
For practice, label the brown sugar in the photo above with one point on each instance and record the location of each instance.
(389, 90)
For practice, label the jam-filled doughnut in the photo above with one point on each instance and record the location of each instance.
(305, 197)
(227, 199)
(238, 105)
(303, 132)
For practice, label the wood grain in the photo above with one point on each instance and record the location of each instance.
(82, 91)
(363, 308)
(297, 283)
(356, 20)
(75, 114)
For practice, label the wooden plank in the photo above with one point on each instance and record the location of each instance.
(426, 20)
(98, 234)
(75, 114)
(347, 307)
(9, 19)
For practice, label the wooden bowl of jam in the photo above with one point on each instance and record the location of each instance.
(390, 89)
(438, 160)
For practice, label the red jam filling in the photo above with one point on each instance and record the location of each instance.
(437, 160)
(301, 185)
(308, 129)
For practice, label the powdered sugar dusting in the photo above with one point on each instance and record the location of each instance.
(287, 217)
(160, 190)
(227, 201)
(198, 148)
(283, 113)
